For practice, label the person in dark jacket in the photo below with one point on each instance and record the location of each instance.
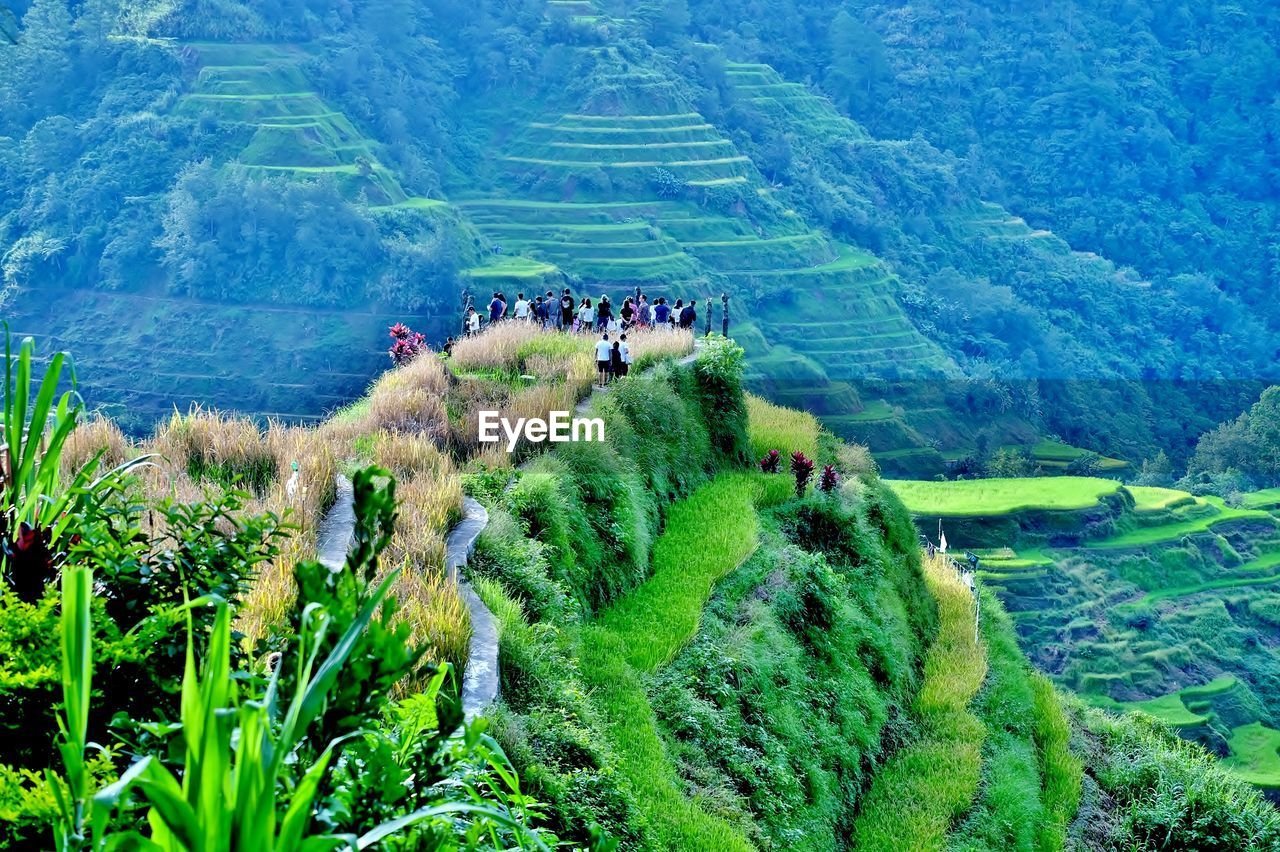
(617, 368)
(689, 315)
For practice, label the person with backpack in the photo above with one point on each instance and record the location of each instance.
(689, 315)
(616, 365)
(604, 357)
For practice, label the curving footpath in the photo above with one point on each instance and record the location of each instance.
(480, 678)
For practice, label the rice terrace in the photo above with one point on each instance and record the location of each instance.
(616, 425)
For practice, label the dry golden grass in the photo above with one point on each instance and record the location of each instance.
(411, 399)
(648, 346)
(497, 347)
(437, 617)
(97, 434)
(410, 455)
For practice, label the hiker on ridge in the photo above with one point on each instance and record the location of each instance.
(496, 308)
(604, 355)
(644, 314)
(626, 355)
(604, 312)
(566, 310)
(617, 367)
(586, 316)
(522, 308)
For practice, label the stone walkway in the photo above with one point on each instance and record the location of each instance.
(480, 678)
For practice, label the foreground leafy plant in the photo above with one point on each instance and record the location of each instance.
(35, 507)
(253, 768)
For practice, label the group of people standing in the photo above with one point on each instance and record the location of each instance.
(564, 313)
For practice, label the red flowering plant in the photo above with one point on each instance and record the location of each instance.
(771, 462)
(407, 344)
(802, 469)
(829, 479)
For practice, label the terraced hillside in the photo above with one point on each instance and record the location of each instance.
(643, 192)
(165, 353)
(926, 432)
(1159, 601)
(141, 354)
(261, 90)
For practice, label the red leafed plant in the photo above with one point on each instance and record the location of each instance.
(802, 469)
(771, 462)
(408, 344)
(829, 479)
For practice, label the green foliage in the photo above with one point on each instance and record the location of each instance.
(1167, 793)
(379, 654)
(597, 506)
(35, 504)
(255, 759)
(1248, 446)
(719, 367)
(783, 705)
(552, 730)
(1031, 781)
(924, 786)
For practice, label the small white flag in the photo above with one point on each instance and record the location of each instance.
(942, 542)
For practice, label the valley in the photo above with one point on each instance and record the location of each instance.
(994, 274)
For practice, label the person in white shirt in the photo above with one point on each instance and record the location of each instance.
(522, 308)
(604, 352)
(613, 326)
(626, 355)
(473, 322)
(586, 316)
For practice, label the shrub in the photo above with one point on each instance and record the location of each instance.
(802, 470)
(771, 462)
(829, 480)
(406, 344)
(718, 369)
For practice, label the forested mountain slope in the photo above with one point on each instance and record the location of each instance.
(171, 171)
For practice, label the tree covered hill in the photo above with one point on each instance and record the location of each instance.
(344, 163)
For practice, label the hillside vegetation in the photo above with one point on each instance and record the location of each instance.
(1157, 601)
(383, 168)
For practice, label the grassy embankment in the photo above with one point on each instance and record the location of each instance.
(991, 497)
(922, 789)
(707, 536)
